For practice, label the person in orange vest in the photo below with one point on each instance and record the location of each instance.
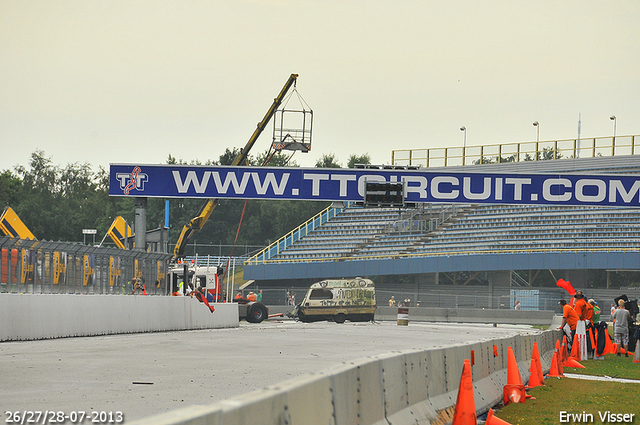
(251, 297)
(239, 296)
(569, 321)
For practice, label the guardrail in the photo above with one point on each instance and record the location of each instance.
(517, 151)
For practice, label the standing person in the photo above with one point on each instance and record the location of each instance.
(517, 305)
(392, 301)
(596, 311)
(580, 308)
(613, 310)
(259, 296)
(407, 301)
(621, 327)
(569, 321)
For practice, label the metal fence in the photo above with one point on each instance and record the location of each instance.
(478, 298)
(45, 267)
(518, 151)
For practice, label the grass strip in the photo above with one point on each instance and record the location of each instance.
(581, 397)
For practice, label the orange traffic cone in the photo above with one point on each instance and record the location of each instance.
(493, 420)
(571, 362)
(465, 410)
(563, 349)
(514, 391)
(536, 378)
(560, 367)
(636, 357)
(555, 366)
(559, 348)
(575, 349)
(536, 354)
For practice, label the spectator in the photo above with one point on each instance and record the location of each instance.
(621, 319)
(596, 311)
(259, 296)
(517, 305)
(392, 301)
(407, 301)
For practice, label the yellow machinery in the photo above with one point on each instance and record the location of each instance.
(11, 225)
(198, 221)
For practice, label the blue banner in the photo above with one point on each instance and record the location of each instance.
(336, 184)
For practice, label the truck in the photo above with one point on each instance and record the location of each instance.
(210, 278)
(338, 300)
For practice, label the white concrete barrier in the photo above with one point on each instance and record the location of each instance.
(417, 386)
(41, 316)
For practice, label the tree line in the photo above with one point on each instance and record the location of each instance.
(56, 202)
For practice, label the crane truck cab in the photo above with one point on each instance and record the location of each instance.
(210, 278)
(338, 300)
(197, 276)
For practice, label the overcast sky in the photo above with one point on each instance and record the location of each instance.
(134, 81)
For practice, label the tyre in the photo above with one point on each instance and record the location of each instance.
(340, 318)
(256, 313)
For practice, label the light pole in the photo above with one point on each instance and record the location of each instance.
(464, 144)
(614, 119)
(537, 126)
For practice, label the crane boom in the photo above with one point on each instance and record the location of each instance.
(199, 220)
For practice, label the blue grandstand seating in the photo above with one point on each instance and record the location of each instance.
(359, 232)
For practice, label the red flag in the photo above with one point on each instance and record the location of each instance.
(566, 285)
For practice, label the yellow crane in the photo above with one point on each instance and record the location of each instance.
(199, 220)
(11, 225)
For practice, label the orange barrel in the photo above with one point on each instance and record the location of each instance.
(403, 316)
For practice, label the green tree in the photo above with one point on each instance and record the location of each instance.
(328, 161)
(355, 159)
(10, 189)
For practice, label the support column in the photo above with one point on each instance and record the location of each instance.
(141, 224)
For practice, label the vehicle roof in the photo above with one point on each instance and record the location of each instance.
(358, 282)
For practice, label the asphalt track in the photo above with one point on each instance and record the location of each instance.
(146, 374)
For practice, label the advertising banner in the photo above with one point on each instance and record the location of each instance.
(337, 184)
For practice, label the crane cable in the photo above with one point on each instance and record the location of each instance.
(270, 155)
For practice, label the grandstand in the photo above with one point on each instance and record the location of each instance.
(496, 239)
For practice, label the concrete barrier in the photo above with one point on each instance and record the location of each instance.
(417, 386)
(29, 317)
(469, 315)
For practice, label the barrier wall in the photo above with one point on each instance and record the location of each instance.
(469, 315)
(400, 388)
(28, 317)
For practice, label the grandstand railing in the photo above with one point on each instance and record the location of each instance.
(256, 261)
(295, 235)
(517, 151)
